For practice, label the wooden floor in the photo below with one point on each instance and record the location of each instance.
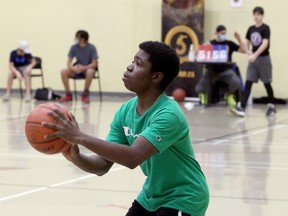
(245, 161)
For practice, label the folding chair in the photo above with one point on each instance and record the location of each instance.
(96, 76)
(37, 71)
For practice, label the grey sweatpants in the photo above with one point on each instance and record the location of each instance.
(229, 77)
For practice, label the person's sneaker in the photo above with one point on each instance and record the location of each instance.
(85, 98)
(28, 98)
(230, 100)
(271, 110)
(203, 98)
(66, 98)
(6, 97)
(238, 110)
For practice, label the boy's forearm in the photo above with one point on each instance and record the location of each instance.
(118, 153)
(93, 164)
(262, 48)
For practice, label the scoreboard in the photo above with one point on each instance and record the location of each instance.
(212, 53)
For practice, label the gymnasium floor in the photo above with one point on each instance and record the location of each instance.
(245, 162)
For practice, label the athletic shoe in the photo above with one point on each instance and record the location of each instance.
(85, 98)
(6, 97)
(271, 110)
(67, 98)
(27, 98)
(238, 110)
(230, 100)
(203, 98)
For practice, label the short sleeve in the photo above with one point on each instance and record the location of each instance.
(163, 131)
(266, 33)
(116, 133)
(248, 34)
(11, 59)
(29, 58)
(71, 53)
(233, 47)
(94, 53)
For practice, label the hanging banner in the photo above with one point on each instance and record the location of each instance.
(183, 26)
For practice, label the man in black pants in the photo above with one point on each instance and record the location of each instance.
(259, 66)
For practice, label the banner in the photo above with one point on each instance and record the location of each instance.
(183, 26)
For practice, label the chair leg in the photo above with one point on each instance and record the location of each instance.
(42, 79)
(20, 89)
(100, 91)
(75, 90)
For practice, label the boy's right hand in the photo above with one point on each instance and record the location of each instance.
(71, 153)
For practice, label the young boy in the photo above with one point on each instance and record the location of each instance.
(149, 130)
(86, 57)
(259, 66)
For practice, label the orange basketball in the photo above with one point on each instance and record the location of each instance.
(35, 132)
(179, 94)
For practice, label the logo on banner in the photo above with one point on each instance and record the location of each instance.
(180, 38)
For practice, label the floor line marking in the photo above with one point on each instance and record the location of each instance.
(54, 185)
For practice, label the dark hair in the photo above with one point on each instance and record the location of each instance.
(220, 28)
(82, 35)
(259, 10)
(163, 59)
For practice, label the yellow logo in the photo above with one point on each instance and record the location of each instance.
(180, 38)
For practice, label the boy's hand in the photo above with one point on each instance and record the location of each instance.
(252, 58)
(71, 153)
(237, 36)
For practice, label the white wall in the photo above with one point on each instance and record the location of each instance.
(117, 27)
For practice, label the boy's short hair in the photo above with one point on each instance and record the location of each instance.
(82, 34)
(163, 59)
(259, 10)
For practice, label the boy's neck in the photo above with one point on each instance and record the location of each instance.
(146, 100)
(259, 24)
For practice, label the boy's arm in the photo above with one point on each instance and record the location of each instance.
(129, 156)
(260, 50)
(93, 164)
(243, 47)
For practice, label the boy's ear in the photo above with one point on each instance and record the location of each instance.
(158, 76)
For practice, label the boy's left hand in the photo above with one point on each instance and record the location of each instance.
(66, 128)
(252, 58)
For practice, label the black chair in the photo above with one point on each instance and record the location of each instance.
(37, 71)
(96, 76)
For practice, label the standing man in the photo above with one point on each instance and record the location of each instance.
(259, 66)
(85, 67)
(150, 131)
(20, 66)
(222, 71)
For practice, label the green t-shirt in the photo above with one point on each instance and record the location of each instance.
(174, 177)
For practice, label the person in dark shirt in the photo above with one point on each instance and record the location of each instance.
(259, 66)
(222, 71)
(20, 66)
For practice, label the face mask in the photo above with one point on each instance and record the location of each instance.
(222, 37)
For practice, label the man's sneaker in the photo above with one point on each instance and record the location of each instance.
(203, 98)
(6, 97)
(85, 98)
(66, 98)
(230, 100)
(271, 110)
(238, 110)
(27, 98)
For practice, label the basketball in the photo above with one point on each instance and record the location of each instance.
(35, 132)
(179, 94)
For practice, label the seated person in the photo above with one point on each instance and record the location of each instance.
(21, 64)
(221, 72)
(86, 63)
